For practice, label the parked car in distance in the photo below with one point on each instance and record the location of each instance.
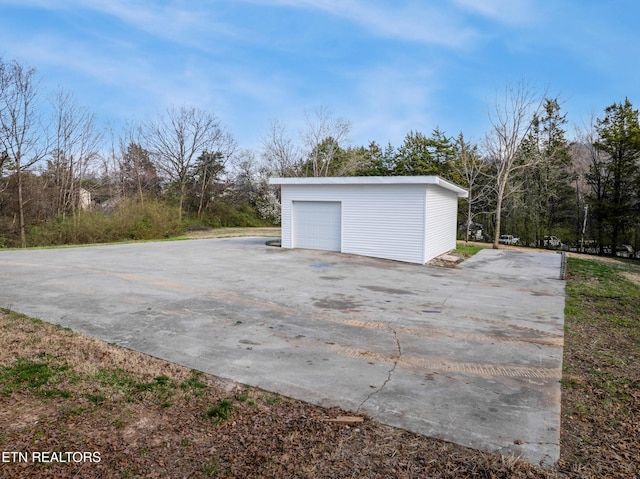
(552, 242)
(624, 250)
(508, 239)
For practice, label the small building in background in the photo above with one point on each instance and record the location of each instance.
(403, 218)
(84, 199)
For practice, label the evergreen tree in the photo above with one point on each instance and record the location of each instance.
(375, 161)
(138, 174)
(548, 193)
(614, 180)
(420, 155)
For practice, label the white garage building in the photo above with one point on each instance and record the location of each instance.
(404, 218)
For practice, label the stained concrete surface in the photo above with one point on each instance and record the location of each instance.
(471, 355)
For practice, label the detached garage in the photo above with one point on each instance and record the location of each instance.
(404, 218)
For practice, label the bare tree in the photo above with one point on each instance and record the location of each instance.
(177, 139)
(22, 139)
(472, 170)
(111, 182)
(5, 159)
(251, 183)
(322, 141)
(76, 142)
(511, 121)
(591, 183)
(279, 151)
(319, 151)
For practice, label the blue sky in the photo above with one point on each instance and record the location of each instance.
(386, 66)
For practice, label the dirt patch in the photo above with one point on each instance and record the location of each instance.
(603, 259)
(633, 277)
(449, 260)
(269, 231)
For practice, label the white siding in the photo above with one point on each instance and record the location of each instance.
(384, 221)
(409, 222)
(441, 221)
(286, 206)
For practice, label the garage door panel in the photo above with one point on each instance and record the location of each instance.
(317, 225)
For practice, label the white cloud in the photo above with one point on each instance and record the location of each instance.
(178, 21)
(175, 20)
(405, 20)
(509, 12)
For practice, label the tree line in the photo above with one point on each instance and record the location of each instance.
(65, 180)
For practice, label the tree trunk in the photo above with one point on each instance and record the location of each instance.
(139, 181)
(466, 238)
(614, 238)
(182, 195)
(203, 191)
(23, 236)
(501, 189)
(496, 238)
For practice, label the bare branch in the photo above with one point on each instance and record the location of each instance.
(511, 121)
(76, 142)
(178, 138)
(21, 137)
(322, 139)
(279, 151)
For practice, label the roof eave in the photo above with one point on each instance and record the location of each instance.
(371, 180)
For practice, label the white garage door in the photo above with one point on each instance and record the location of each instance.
(317, 225)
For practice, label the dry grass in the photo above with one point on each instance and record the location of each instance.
(233, 232)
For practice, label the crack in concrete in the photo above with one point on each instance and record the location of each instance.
(461, 290)
(395, 364)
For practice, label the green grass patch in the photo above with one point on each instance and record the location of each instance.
(116, 378)
(32, 375)
(19, 316)
(54, 393)
(221, 410)
(592, 277)
(97, 398)
(72, 410)
(597, 292)
(193, 383)
(158, 383)
(468, 248)
(161, 388)
(273, 400)
(210, 469)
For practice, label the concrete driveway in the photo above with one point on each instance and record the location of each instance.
(471, 355)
